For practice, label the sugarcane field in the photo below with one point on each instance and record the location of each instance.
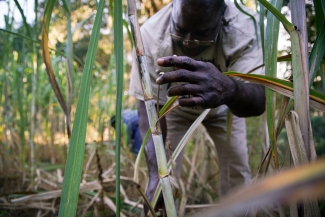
(170, 108)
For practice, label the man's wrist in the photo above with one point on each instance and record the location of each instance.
(234, 91)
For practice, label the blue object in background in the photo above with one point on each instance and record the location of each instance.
(130, 118)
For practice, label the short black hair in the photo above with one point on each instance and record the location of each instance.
(205, 3)
(112, 121)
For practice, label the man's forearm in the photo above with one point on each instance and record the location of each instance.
(248, 100)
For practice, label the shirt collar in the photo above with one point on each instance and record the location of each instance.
(230, 12)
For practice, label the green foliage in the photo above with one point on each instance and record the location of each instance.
(70, 190)
(118, 51)
(107, 81)
(318, 124)
(270, 55)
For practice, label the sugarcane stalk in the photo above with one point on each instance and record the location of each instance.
(32, 125)
(299, 157)
(300, 81)
(180, 147)
(300, 73)
(301, 86)
(151, 110)
(301, 97)
(271, 51)
(299, 40)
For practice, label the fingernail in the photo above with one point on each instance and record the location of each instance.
(160, 61)
(158, 80)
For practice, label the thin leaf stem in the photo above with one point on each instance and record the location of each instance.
(118, 50)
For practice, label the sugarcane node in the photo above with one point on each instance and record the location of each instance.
(163, 175)
(155, 131)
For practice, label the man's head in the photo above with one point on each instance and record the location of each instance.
(112, 121)
(196, 23)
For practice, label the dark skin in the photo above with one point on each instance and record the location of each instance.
(207, 86)
(196, 20)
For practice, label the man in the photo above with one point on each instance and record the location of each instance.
(209, 37)
(130, 124)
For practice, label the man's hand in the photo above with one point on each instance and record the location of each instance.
(209, 88)
(206, 85)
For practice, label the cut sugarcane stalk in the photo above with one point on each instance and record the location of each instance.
(151, 111)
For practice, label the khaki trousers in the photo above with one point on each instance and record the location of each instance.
(233, 157)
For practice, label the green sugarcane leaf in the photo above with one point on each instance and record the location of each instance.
(184, 141)
(118, 53)
(66, 6)
(126, 25)
(319, 14)
(323, 6)
(72, 175)
(139, 157)
(18, 82)
(317, 99)
(262, 14)
(81, 23)
(19, 35)
(24, 18)
(39, 42)
(270, 55)
(69, 55)
(317, 53)
(287, 25)
(286, 106)
(47, 14)
(47, 60)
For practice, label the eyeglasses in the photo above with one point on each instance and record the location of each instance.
(192, 43)
(195, 43)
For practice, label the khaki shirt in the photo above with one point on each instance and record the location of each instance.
(237, 47)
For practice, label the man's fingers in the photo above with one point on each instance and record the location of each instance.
(190, 94)
(192, 101)
(180, 75)
(185, 89)
(178, 62)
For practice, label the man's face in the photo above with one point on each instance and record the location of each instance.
(193, 27)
